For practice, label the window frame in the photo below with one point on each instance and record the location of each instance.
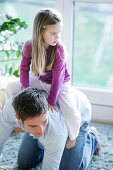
(100, 98)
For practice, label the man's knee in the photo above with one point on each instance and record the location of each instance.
(27, 161)
(23, 163)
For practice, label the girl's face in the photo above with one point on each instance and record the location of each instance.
(51, 35)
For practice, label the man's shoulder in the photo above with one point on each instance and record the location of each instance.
(56, 131)
(56, 124)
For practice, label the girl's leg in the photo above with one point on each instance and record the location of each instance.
(72, 116)
(36, 83)
(30, 154)
(14, 86)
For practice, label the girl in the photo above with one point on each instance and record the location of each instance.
(49, 68)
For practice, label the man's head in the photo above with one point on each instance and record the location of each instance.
(31, 108)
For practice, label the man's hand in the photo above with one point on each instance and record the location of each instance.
(51, 107)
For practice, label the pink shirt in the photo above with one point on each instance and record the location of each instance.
(56, 77)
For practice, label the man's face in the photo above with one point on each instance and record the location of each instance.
(37, 125)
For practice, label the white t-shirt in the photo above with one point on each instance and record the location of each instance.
(53, 140)
(56, 133)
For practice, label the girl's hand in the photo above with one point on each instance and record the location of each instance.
(51, 107)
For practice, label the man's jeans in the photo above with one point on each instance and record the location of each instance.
(77, 158)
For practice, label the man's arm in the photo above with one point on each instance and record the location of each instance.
(54, 141)
(52, 157)
(7, 122)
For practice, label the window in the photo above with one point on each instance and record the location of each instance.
(93, 45)
(90, 45)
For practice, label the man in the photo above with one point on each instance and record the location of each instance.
(48, 132)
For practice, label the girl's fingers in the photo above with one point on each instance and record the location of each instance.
(52, 108)
(55, 109)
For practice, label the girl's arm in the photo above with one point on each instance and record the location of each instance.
(58, 76)
(25, 64)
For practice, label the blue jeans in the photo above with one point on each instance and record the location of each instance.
(77, 158)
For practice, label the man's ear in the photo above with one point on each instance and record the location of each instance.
(17, 117)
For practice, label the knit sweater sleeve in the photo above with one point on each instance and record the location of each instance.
(58, 76)
(25, 64)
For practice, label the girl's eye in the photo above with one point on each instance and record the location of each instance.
(52, 34)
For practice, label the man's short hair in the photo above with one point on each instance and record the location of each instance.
(29, 103)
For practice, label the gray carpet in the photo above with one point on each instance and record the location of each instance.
(102, 162)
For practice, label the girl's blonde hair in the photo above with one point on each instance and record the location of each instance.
(42, 19)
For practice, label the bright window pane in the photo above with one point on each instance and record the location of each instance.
(93, 45)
